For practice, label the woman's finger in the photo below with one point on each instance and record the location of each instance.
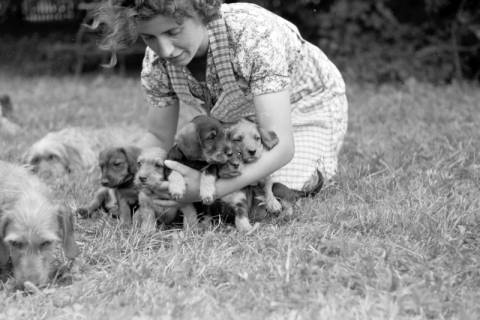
(177, 166)
(166, 203)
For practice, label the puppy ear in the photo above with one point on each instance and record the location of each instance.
(72, 158)
(131, 153)
(175, 153)
(187, 141)
(269, 138)
(4, 252)
(65, 222)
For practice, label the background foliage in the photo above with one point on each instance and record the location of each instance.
(370, 40)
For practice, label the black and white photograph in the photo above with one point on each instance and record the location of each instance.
(243, 160)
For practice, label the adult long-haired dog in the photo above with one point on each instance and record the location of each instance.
(32, 226)
(118, 167)
(75, 149)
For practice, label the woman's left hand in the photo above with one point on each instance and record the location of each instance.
(192, 181)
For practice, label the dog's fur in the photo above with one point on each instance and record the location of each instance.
(75, 149)
(32, 226)
(150, 174)
(118, 167)
(202, 145)
(252, 140)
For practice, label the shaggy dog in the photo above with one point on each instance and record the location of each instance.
(32, 226)
(75, 149)
(118, 167)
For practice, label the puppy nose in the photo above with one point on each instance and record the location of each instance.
(236, 165)
(104, 182)
(142, 178)
(252, 152)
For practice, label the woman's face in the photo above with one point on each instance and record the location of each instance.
(177, 43)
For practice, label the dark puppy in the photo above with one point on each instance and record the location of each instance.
(118, 166)
(203, 145)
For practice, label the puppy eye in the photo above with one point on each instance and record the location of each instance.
(256, 138)
(51, 157)
(17, 244)
(116, 164)
(237, 139)
(139, 164)
(45, 244)
(158, 165)
(212, 135)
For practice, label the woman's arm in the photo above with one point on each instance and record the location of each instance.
(161, 127)
(273, 113)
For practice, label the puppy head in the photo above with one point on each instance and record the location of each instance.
(118, 165)
(150, 169)
(251, 139)
(32, 230)
(204, 139)
(233, 167)
(49, 159)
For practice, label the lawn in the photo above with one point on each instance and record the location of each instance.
(396, 235)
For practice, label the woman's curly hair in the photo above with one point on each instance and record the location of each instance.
(117, 19)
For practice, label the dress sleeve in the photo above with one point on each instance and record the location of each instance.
(262, 57)
(155, 82)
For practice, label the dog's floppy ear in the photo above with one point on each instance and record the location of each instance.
(71, 158)
(187, 141)
(131, 153)
(4, 252)
(65, 222)
(269, 138)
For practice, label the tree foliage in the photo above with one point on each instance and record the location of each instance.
(391, 40)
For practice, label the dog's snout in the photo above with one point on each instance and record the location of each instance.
(104, 182)
(236, 165)
(252, 152)
(142, 179)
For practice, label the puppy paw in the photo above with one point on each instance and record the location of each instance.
(243, 224)
(273, 205)
(207, 188)
(176, 186)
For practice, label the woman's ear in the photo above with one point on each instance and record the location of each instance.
(269, 138)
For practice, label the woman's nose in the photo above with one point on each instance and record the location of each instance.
(165, 47)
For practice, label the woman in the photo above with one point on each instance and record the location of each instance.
(230, 61)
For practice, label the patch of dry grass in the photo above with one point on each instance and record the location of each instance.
(395, 236)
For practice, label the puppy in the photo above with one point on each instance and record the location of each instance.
(150, 175)
(118, 167)
(75, 149)
(32, 226)
(251, 141)
(202, 144)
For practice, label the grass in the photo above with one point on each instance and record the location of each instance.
(396, 235)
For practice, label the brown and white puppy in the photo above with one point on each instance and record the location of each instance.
(118, 167)
(150, 175)
(32, 226)
(252, 140)
(75, 149)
